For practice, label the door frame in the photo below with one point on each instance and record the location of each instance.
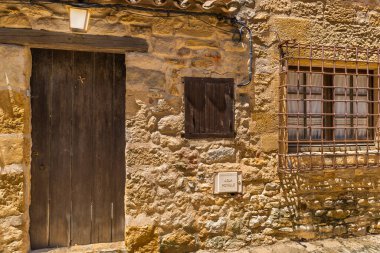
(47, 44)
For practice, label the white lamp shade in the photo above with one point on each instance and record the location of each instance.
(79, 19)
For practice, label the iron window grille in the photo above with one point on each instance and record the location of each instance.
(329, 109)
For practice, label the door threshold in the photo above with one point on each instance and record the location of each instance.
(112, 247)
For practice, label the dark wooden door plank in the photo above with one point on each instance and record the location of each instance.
(40, 91)
(82, 140)
(60, 174)
(101, 230)
(118, 155)
(71, 41)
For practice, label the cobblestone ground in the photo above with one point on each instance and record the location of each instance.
(365, 244)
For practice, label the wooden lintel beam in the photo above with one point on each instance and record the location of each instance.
(72, 41)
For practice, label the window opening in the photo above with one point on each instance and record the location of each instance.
(328, 107)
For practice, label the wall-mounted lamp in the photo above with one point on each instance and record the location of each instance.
(79, 19)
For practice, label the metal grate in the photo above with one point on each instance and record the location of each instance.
(329, 109)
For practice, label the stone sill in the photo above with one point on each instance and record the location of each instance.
(114, 247)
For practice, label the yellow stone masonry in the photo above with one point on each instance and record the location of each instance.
(169, 201)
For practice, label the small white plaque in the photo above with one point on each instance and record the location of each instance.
(228, 182)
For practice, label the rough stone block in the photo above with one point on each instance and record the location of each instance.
(264, 122)
(219, 155)
(276, 6)
(171, 125)
(338, 214)
(340, 12)
(11, 194)
(11, 150)
(165, 26)
(289, 28)
(201, 43)
(11, 238)
(138, 29)
(269, 142)
(200, 31)
(178, 241)
(151, 78)
(14, 112)
(139, 62)
(257, 221)
(164, 46)
(141, 239)
(203, 63)
(15, 20)
(326, 229)
(312, 10)
(145, 156)
(306, 232)
(215, 227)
(183, 51)
(15, 70)
(167, 106)
(172, 143)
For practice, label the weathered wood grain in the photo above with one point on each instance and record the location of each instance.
(39, 229)
(71, 41)
(209, 107)
(82, 145)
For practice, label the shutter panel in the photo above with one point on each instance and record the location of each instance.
(215, 106)
(209, 107)
(223, 95)
(230, 112)
(194, 105)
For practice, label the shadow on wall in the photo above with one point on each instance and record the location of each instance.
(329, 203)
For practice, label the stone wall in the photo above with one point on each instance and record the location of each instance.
(168, 201)
(169, 198)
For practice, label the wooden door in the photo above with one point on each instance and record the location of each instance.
(78, 126)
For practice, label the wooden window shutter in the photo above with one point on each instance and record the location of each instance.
(209, 107)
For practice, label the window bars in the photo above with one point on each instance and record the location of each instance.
(329, 109)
